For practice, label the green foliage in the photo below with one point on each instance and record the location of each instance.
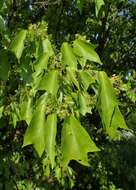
(68, 58)
(98, 6)
(86, 51)
(35, 133)
(108, 107)
(55, 93)
(18, 44)
(2, 24)
(76, 142)
(57, 84)
(50, 82)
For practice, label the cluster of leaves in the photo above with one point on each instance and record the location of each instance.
(57, 95)
(49, 90)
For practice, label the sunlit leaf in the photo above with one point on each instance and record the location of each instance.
(41, 64)
(86, 79)
(83, 103)
(98, 5)
(85, 50)
(2, 24)
(50, 82)
(68, 57)
(26, 108)
(108, 107)
(71, 76)
(35, 133)
(50, 137)
(1, 110)
(76, 142)
(17, 45)
(47, 47)
(15, 114)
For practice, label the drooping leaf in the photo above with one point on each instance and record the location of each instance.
(76, 142)
(50, 82)
(26, 70)
(4, 65)
(35, 133)
(111, 116)
(40, 67)
(85, 50)
(50, 137)
(43, 46)
(41, 64)
(17, 45)
(68, 57)
(26, 108)
(86, 79)
(98, 5)
(47, 47)
(71, 76)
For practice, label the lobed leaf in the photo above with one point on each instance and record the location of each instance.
(75, 142)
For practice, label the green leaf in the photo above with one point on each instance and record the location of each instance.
(15, 114)
(35, 133)
(79, 5)
(86, 79)
(4, 65)
(17, 45)
(71, 76)
(86, 51)
(41, 64)
(83, 103)
(50, 82)
(50, 137)
(111, 116)
(98, 5)
(47, 47)
(2, 24)
(76, 142)
(68, 57)
(26, 108)
(26, 70)
(1, 110)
